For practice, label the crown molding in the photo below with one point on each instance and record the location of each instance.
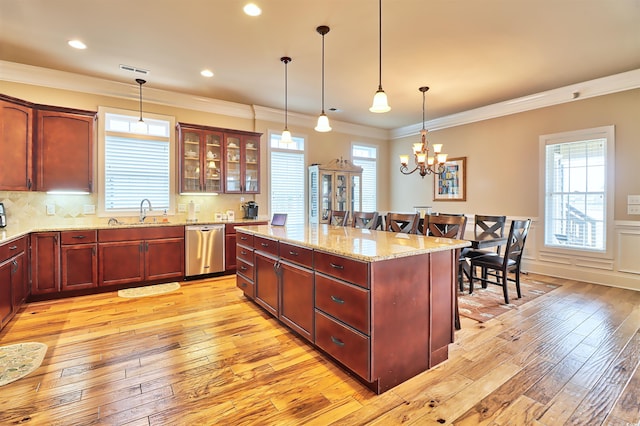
(575, 92)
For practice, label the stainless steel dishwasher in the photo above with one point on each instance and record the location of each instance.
(204, 249)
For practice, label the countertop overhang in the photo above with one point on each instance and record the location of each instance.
(362, 244)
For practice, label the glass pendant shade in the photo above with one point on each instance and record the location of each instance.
(286, 137)
(380, 102)
(323, 123)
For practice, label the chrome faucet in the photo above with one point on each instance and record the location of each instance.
(143, 211)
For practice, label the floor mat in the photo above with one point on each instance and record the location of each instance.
(16, 361)
(487, 303)
(149, 290)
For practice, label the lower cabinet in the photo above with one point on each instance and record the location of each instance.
(79, 255)
(230, 237)
(13, 278)
(132, 255)
(45, 263)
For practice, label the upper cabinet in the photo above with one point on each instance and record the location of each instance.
(16, 133)
(64, 151)
(200, 159)
(215, 160)
(44, 147)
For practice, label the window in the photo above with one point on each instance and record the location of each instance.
(288, 171)
(578, 183)
(137, 162)
(365, 157)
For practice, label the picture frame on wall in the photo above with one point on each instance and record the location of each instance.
(451, 184)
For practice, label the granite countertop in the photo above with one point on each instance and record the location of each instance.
(355, 243)
(12, 232)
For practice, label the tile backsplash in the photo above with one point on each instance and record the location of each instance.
(31, 209)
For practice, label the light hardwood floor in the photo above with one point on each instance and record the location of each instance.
(206, 355)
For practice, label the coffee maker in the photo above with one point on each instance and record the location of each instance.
(250, 210)
(3, 216)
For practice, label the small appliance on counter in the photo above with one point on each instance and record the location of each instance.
(3, 216)
(250, 210)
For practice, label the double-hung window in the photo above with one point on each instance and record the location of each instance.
(365, 156)
(578, 188)
(287, 172)
(136, 162)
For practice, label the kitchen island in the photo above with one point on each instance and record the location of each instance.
(379, 303)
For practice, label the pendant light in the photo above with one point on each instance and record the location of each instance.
(286, 134)
(380, 103)
(140, 126)
(323, 120)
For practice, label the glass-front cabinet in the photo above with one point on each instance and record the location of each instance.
(243, 160)
(214, 160)
(336, 185)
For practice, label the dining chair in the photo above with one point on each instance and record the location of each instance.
(503, 265)
(448, 226)
(338, 217)
(406, 223)
(364, 220)
(490, 225)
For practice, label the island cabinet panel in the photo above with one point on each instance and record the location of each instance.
(267, 282)
(296, 307)
(346, 302)
(244, 266)
(351, 270)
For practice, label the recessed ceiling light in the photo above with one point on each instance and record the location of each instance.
(252, 9)
(206, 73)
(77, 44)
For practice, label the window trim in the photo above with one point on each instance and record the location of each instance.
(305, 153)
(100, 161)
(603, 132)
(377, 148)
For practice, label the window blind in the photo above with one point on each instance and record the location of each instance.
(287, 185)
(365, 157)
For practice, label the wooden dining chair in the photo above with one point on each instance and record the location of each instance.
(503, 265)
(364, 220)
(448, 226)
(402, 222)
(489, 225)
(338, 217)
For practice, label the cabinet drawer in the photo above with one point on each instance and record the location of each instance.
(343, 343)
(244, 253)
(245, 269)
(348, 303)
(246, 239)
(78, 237)
(296, 254)
(351, 270)
(266, 245)
(140, 233)
(12, 248)
(245, 285)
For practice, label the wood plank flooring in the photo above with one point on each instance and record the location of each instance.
(204, 355)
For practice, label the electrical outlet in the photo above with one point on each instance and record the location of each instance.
(182, 208)
(633, 199)
(633, 209)
(242, 199)
(51, 209)
(89, 209)
(197, 208)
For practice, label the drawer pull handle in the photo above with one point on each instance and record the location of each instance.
(243, 285)
(337, 341)
(333, 265)
(337, 299)
(79, 237)
(13, 248)
(293, 253)
(264, 244)
(243, 268)
(244, 238)
(243, 252)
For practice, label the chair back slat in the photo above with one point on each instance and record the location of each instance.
(446, 226)
(406, 223)
(365, 220)
(515, 242)
(338, 217)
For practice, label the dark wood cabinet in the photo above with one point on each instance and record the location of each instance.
(296, 307)
(13, 278)
(133, 255)
(16, 144)
(214, 159)
(64, 150)
(45, 263)
(266, 283)
(79, 260)
(230, 239)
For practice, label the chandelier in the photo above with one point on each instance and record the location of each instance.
(425, 164)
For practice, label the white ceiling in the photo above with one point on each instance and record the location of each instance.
(471, 53)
